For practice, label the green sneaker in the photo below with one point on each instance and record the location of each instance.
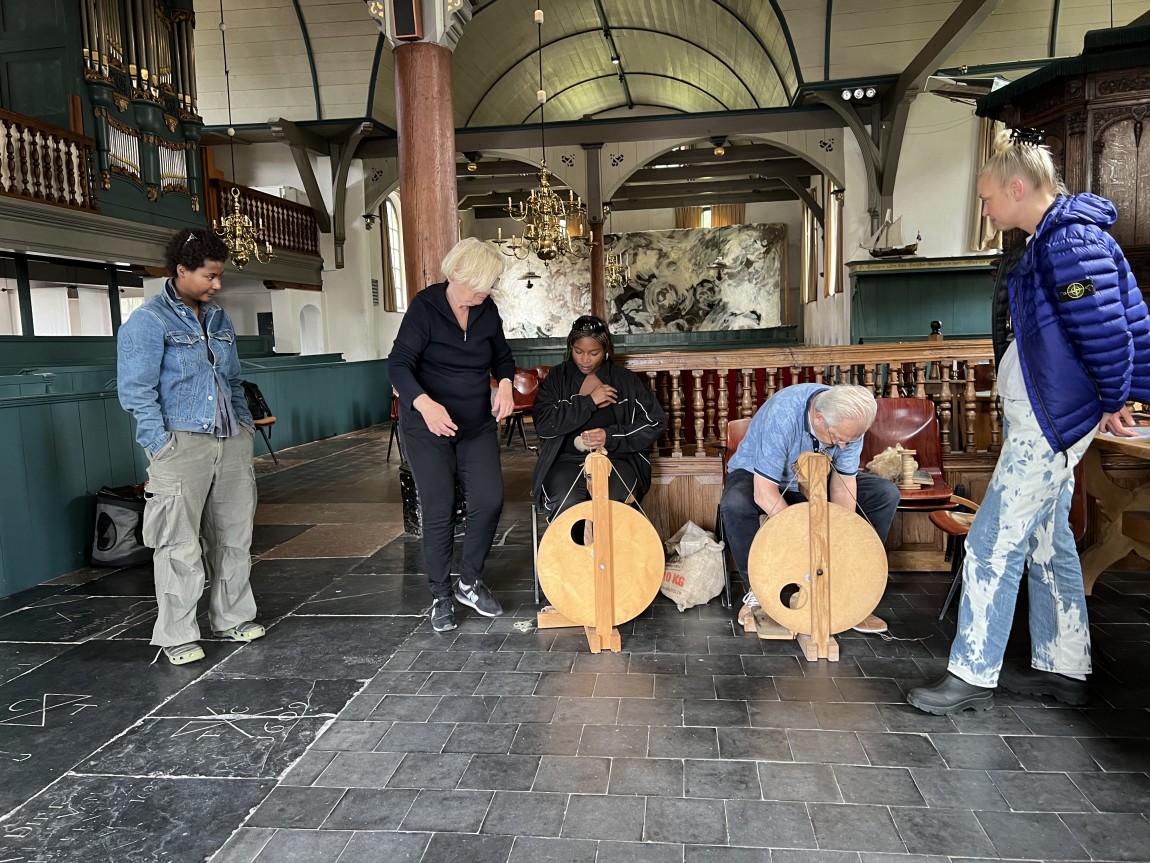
(249, 631)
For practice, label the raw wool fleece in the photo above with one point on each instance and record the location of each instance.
(888, 463)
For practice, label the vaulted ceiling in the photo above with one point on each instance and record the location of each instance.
(656, 65)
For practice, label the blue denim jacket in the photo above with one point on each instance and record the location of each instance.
(163, 372)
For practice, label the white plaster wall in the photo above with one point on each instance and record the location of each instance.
(934, 188)
(243, 297)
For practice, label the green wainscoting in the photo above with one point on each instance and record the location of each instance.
(60, 448)
(897, 300)
(549, 351)
(39, 353)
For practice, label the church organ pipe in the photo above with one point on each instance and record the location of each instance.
(88, 35)
(130, 56)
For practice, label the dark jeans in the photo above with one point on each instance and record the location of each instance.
(472, 455)
(877, 501)
(564, 486)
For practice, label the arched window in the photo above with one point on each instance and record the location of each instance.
(393, 258)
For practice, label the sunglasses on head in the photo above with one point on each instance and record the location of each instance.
(191, 236)
(588, 325)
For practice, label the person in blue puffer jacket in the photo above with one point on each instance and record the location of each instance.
(1072, 341)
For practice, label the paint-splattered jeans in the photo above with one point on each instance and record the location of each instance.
(1024, 519)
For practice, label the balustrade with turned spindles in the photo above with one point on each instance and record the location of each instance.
(701, 392)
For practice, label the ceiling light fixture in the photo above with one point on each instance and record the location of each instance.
(552, 227)
(242, 237)
(719, 142)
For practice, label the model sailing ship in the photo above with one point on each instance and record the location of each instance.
(887, 242)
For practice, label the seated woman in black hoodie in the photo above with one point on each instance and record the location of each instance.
(587, 402)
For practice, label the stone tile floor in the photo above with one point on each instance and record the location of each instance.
(354, 733)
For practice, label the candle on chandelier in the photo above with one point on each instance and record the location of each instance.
(500, 234)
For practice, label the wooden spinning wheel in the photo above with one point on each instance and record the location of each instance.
(608, 580)
(829, 553)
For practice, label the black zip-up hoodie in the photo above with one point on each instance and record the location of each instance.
(432, 354)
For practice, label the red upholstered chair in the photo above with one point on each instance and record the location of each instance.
(736, 431)
(524, 389)
(914, 424)
(955, 524)
(542, 372)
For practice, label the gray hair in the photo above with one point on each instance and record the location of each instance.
(846, 405)
(474, 263)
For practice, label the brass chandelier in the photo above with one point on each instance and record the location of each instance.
(552, 227)
(616, 274)
(242, 236)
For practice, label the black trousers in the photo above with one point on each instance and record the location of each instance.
(564, 486)
(472, 456)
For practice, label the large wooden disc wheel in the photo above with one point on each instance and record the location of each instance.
(623, 543)
(782, 554)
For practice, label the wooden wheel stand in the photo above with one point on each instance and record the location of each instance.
(831, 555)
(579, 577)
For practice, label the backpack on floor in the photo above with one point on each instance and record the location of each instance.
(118, 539)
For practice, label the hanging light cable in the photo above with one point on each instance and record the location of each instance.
(552, 227)
(242, 237)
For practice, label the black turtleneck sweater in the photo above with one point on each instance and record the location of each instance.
(432, 354)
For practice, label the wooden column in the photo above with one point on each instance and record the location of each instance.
(425, 130)
(598, 294)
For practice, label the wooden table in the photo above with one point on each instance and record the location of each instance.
(1123, 512)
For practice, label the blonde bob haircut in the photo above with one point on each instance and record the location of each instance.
(1032, 162)
(846, 405)
(473, 263)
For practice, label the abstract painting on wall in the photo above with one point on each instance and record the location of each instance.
(692, 280)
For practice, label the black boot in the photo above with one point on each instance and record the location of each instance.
(951, 695)
(1031, 681)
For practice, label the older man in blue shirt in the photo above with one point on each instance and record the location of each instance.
(761, 477)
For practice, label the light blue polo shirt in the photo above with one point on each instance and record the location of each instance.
(781, 431)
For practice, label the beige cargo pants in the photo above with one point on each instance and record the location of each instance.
(201, 503)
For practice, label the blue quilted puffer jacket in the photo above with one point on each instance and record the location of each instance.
(1082, 327)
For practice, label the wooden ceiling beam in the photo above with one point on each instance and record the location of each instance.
(705, 154)
(634, 192)
(767, 168)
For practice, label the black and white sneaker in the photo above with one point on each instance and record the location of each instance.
(443, 615)
(478, 597)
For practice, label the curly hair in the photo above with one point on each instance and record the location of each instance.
(191, 247)
(589, 327)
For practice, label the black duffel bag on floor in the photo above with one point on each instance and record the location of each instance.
(118, 538)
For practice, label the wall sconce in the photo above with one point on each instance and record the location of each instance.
(369, 220)
(837, 194)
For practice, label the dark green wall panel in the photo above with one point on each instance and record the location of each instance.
(59, 449)
(899, 304)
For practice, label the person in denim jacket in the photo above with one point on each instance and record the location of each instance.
(178, 374)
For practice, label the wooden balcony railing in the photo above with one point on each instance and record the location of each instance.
(701, 392)
(287, 225)
(39, 162)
